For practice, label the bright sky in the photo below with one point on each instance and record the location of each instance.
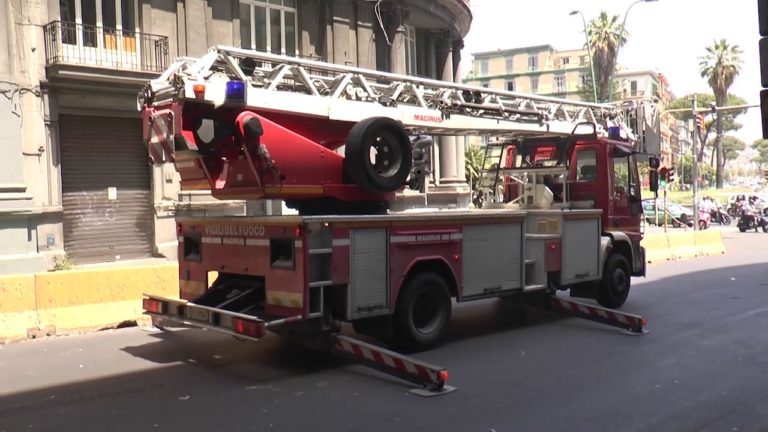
(665, 35)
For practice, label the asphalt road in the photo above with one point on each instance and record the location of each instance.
(702, 367)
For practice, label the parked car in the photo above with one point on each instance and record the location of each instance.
(677, 215)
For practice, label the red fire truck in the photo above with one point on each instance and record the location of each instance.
(560, 188)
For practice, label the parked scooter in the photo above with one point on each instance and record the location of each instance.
(720, 216)
(750, 220)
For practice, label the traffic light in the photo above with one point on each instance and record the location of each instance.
(663, 173)
(653, 180)
(762, 15)
(699, 121)
(671, 175)
(653, 175)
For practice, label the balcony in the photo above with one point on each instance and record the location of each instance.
(81, 45)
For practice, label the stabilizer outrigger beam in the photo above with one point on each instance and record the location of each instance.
(631, 323)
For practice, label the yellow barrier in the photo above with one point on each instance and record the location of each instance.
(69, 301)
(656, 248)
(17, 306)
(682, 245)
(710, 242)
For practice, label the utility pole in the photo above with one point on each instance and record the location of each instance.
(695, 165)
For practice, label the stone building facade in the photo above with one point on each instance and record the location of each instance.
(74, 177)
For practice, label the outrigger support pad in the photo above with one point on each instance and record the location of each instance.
(431, 378)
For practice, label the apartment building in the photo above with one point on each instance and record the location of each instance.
(537, 69)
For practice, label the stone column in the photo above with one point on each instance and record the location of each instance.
(396, 30)
(366, 40)
(343, 54)
(448, 172)
(458, 44)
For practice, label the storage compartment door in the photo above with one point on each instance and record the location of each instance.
(368, 292)
(491, 258)
(581, 250)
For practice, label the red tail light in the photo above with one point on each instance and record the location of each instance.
(442, 375)
(254, 329)
(179, 229)
(154, 306)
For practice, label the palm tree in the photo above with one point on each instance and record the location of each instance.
(720, 66)
(606, 36)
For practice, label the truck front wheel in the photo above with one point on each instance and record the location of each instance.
(614, 288)
(423, 311)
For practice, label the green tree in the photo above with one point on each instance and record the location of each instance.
(703, 100)
(732, 146)
(720, 66)
(473, 164)
(761, 146)
(606, 35)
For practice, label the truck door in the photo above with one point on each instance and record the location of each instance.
(625, 208)
(583, 174)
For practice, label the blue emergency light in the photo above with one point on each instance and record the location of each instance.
(235, 91)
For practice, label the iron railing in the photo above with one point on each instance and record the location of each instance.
(89, 45)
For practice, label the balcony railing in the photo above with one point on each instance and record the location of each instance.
(89, 45)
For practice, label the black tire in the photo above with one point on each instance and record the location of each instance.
(725, 219)
(614, 288)
(743, 228)
(388, 138)
(423, 311)
(765, 228)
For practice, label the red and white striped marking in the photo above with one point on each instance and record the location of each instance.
(428, 373)
(160, 142)
(634, 322)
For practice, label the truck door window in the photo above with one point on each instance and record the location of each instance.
(621, 177)
(586, 165)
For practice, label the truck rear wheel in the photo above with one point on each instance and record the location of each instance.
(614, 288)
(423, 311)
(377, 155)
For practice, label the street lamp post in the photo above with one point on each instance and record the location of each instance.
(623, 30)
(589, 53)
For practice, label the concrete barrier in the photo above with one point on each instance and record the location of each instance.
(79, 300)
(17, 306)
(682, 245)
(710, 242)
(656, 248)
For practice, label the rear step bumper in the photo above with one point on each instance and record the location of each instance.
(211, 318)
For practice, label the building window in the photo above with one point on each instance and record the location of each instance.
(509, 64)
(566, 60)
(559, 84)
(654, 90)
(483, 67)
(533, 63)
(110, 24)
(511, 85)
(410, 50)
(534, 84)
(485, 85)
(269, 26)
(633, 88)
(584, 80)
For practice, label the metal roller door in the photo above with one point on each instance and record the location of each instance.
(106, 188)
